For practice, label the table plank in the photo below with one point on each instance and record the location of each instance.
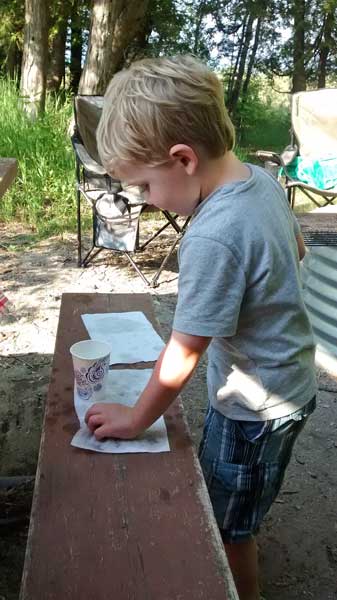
(8, 170)
(117, 527)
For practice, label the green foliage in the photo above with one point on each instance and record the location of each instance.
(262, 122)
(43, 194)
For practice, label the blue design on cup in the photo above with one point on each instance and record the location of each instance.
(84, 391)
(89, 380)
(80, 376)
(97, 371)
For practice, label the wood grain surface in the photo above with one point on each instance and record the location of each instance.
(117, 527)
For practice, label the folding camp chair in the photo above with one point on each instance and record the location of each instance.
(309, 163)
(116, 211)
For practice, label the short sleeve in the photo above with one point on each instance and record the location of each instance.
(210, 289)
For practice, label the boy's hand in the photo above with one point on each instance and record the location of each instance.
(111, 420)
(174, 367)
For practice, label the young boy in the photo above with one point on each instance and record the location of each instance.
(165, 128)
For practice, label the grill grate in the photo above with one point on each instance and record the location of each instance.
(320, 238)
(319, 229)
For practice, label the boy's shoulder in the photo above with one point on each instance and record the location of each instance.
(241, 202)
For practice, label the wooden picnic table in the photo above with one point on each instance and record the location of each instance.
(117, 526)
(8, 170)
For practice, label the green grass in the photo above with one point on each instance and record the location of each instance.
(43, 194)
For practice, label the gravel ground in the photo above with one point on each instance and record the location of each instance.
(298, 549)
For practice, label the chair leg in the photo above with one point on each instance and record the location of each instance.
(90, 256)
(143, 246)
(79, 233)
(135, 266)
(154, 280)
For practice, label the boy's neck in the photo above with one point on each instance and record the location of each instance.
(219, 171)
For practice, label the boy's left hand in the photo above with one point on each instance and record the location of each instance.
(111, 420)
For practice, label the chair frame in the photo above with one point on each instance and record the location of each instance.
(111, 185)
(273, 160)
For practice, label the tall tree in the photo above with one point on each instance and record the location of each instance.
(327, 41)
(57, 44)
(299, 82)
(95, 73)
(114, 25)
(78, 24)
(34, 61)
(247, 32)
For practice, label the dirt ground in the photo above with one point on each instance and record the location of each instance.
(298, 548)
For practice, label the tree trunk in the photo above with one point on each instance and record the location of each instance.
(95, 74)
(233, 101)
(76, 48)
(326, 45)
(113, 28)
(299, 82)
(34, 60)
(252, 57)
(13, 61)
(233, 76)
(56, 70)
(199, 18)
(127, 18)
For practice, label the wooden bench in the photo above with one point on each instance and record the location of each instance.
(117, 527)
(8, 170)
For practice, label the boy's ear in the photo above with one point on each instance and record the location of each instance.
(186, 156)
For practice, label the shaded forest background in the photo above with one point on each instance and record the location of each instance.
(52, 50)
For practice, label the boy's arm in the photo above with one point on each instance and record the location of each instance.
(300, 245)
(174, 367)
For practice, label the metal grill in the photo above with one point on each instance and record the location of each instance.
(319, 229)
(320, 238)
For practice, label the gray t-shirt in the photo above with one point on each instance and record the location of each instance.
(239, 283)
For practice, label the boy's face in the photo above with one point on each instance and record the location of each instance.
(168, 186)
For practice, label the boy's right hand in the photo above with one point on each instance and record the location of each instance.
(111, 420)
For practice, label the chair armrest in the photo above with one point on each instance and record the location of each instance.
(88, 163)
(268, 156)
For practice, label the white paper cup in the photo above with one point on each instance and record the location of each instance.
(91, 366)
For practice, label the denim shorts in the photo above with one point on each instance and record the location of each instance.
(244, 464)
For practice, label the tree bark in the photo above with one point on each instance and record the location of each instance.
(56, 69)
(299, 82)
(113, 28)
(13, 61)
(127, 20)
(325, 48)
(199, 18)
(76, 48)
(252, 57)
(233, 100)
(95, 73)
(233, 76)
(34, 61)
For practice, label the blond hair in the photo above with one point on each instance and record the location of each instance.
(157, 103)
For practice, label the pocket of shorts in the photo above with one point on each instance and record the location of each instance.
(252, 431)
(238, 478)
